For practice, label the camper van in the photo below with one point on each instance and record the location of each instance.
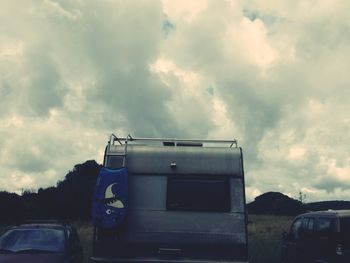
(170, 200)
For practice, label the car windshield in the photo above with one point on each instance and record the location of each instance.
(17, 240)
(345, 228)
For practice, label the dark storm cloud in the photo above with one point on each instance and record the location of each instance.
(331, 184)
(121, 48)
(45, 88)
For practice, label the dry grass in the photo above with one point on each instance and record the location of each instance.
(85, 233)
(265, 236)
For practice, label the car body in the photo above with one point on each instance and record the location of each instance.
(186, 202)
(322, 237)
(40, 241)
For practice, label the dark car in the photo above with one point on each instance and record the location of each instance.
(322, 237)
(53, 242)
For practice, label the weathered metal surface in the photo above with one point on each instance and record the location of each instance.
(188, 160)
(168, 227)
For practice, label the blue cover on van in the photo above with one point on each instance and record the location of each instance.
(110, 198)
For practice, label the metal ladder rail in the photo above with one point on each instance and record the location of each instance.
(114, 138)
(129, 138)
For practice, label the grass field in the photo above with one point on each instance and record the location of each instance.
(85, 234)
(264, 235)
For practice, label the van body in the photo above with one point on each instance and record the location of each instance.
(322, 236)
(186, 202)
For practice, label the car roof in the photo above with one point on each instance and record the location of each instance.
(51, 224)
(333, 213)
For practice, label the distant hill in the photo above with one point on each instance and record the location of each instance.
(276, 203)
(325, 205)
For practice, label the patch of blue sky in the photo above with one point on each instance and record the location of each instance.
(168, 27)
(253, 15)
(210, 90)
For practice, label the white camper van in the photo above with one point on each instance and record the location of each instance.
(183, 201)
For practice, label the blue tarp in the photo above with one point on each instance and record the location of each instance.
(110, 198)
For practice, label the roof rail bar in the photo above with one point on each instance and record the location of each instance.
(43, 221)
(129, 138)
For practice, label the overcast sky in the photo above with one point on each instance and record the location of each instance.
(272, 74)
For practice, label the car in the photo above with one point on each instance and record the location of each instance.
(322, 237)
(40, 241)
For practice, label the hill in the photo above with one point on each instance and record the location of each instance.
(325, 205)
(275, 203)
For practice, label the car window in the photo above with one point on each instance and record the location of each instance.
(324, 224)
(310, 226)
(307, 226)
(16, 240)
(305, 223)
(295, 229)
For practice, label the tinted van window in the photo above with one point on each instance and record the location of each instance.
(198, 193)
(310, 226)
(307, 226)
(295, 230)
(324, 224)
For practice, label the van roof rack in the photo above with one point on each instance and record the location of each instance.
(170, 141)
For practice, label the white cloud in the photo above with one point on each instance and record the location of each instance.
(248, 40)
(273, 75)
(53, 8)
(183, 9)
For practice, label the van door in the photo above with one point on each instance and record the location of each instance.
(306, 246)
(291, 249)
(325, 239)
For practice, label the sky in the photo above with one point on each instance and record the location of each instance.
(271, 74)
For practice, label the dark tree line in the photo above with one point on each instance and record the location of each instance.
(275, 203)
(69, 199)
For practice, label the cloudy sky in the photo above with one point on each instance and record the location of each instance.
(272, 74)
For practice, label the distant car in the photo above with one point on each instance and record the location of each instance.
(322, 237)
(48, 241)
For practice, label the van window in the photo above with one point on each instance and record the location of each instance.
(324, 224)
(307, 226)
(304, 223)
(310, 226)
(114, 161)
(195, 193)
(295, 229)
